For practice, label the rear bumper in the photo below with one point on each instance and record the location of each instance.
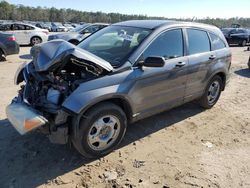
(23, 118)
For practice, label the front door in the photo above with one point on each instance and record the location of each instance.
(161, 88)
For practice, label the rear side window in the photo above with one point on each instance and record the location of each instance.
(27, 27)
(198, 41)
(5, 27)
(168, 45)
(216, 42)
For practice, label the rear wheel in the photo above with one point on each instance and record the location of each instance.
(100, 130)
(35, 40)
(243, 43)
(2, 58)
(249, 62)
(212, 93)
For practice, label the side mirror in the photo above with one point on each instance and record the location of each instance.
(154, 62)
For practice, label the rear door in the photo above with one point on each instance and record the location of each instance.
(19, 32)
(200, 59)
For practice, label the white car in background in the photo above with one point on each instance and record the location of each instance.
(26, 33)
(68, 26)
(58, 27)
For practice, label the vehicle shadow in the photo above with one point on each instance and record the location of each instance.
(243, 72)
(31, 160)
(25, 56)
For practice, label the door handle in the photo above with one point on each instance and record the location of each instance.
(212, 57)
(180, 64)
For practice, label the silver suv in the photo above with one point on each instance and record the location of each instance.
(87, 94)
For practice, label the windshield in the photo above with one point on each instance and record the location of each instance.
(115, 43)
(67, 25)
(79, 28)
(225, 30)
(58, 24)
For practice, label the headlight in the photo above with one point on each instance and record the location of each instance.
(19, 74)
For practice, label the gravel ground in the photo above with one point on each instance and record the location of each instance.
(183, 147)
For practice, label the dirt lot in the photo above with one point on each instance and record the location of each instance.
(184, 147)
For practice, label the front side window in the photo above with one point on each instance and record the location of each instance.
(198, 41)
(168, 45)
(115, 43)
(216, 42)
(18, 27)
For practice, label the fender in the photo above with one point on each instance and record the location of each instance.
(80, 101)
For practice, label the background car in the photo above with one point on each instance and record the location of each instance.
(58, 27)
(238, 36)
(68, 26)
(8, 45)
(79, 33)
(43, 26)
(26, 33)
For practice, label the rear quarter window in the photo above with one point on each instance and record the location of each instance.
(198, 41)
(216, 42)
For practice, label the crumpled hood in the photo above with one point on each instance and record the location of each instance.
(50, 53)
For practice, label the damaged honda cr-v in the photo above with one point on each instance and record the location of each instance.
(87, 94)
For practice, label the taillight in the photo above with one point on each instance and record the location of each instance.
(11, 38)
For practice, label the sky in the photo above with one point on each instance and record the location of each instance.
(162, 8)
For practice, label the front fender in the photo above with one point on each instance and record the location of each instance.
(80, 101)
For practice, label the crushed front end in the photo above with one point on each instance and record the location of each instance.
(45, 83)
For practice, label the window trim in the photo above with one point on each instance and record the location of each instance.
(184, 46)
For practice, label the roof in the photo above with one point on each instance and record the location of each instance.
(147, 24)
(153, 24)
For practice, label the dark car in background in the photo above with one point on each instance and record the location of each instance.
(238, 36)
(8, 45)
(79, 33)
(128, 71)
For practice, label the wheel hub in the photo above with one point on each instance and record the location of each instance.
(213, 92)
(103, 132)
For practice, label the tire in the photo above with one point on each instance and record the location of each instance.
(35, 40)
(206, 101)
(94, 140)
(249, 63)
(2, 58)
(243, 43)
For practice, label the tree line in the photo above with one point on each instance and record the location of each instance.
(21, 13)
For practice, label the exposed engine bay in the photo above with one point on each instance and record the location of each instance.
(47, 90)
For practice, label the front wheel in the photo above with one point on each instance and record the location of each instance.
(212, 93)
(100, 130)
